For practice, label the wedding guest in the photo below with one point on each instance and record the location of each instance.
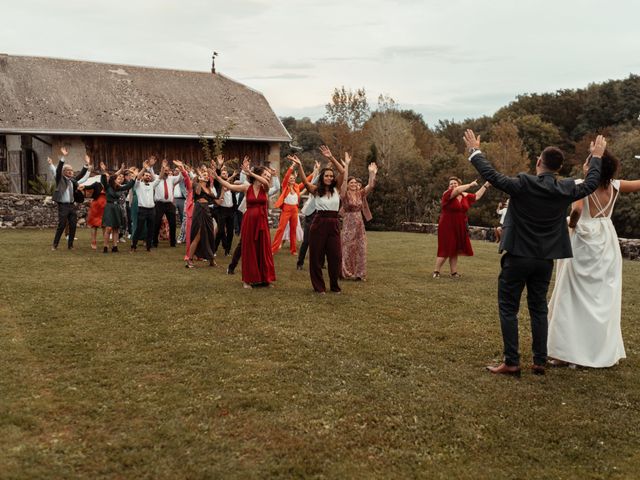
(164, 203)
(114, 186)
(202, 232)
(288, 204)
(534, 234)
(308, 210)
(255, 239)
(585, 306)
(179, 200)
(64, 196)
(453, 236)
(144, 188)
(501, 211)
(98, 202)
(225, 213)
(324, 240)
(353, 234)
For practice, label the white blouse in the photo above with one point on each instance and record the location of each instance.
(291, 199)
(328, 203)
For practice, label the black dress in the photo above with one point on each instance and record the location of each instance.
(202, 223)
(112, 216)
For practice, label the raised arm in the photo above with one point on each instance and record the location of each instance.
(510, 185)
(482, 190)
(629, 186)
(310, 186)
(373, 171)
(461, 189)
(339, 166)
(230, 186)
(64, 153)
(592, 179)
(83, 175)
(345, 173)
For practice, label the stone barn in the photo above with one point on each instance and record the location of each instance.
(123, 113)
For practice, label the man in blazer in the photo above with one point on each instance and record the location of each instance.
(534, 234)
(64, 196)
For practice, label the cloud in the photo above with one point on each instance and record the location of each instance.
(280, 76)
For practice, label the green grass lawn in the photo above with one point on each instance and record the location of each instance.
(131, 366)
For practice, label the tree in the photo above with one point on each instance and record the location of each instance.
(348, 107)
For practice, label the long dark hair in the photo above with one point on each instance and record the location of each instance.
(112, 182)
(322, 188)
(610, 165)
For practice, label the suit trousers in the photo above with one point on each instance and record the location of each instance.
(168, 209)
(324, 241)
(288, 215)
(179, 202)
(302, 253)
(145, 219)
(225, 228)
(67, 213)
(518, 272)
(237, 253)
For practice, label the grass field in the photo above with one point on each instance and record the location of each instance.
(131, 366)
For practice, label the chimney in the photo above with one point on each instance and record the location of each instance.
(213, 62)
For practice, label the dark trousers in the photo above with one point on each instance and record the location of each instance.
(168, 209)
(224, 217)
(302, 253)
(237, 253)
(535, 274)
(128, 209)
(67, 213)
(324, 241)
(237, 222)
(145, 219)
(179, 208)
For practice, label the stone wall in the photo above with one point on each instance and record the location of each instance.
(32, 211)
(630, 247)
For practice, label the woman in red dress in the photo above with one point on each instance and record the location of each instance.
(453, 237)
(257, 259)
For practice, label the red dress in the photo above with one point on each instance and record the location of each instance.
(94, 218)
(257, 258)
(453, 237)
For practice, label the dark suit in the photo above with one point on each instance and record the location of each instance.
(534, 234)
(67, 211)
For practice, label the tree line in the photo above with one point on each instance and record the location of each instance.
(416, 159)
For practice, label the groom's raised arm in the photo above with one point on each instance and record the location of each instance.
(510, 185)
(592, 179)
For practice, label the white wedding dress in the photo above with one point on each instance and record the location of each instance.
(584, 310)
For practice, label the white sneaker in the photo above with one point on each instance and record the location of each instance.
(122, 240)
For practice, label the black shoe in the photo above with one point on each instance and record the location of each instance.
(114, 249)
(105, 250)
(298, 267)
(230, 271)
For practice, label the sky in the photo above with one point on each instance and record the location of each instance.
(446, 59)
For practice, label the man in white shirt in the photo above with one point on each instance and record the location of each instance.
(163, 197)
(144, 188)
(225, 213)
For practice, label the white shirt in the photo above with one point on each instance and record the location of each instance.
(145, 191)
(177, 191)
(227, 199)
(291, 199)
(172, 181)
(328, 204)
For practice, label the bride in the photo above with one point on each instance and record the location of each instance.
(584, 310)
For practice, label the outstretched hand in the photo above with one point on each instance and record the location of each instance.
(373, 168)
(598, 146)
(294, 159)
(347, 158)
(178, 164)
(220, 161)
(49, 161)
(474, 183)
(324, 150)
(152, 161)
(470, 139)
(87, 159)
(64, 151)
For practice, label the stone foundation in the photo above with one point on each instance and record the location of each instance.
(33, 211)
(630, 247)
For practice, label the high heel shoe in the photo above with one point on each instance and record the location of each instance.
(435, 274)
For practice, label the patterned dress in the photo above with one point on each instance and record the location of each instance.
(353, 237)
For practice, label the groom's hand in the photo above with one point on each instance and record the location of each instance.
(470, 140)
(597, 148)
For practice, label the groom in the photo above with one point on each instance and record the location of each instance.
(534, 234)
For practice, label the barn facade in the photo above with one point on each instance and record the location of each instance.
(121, 113)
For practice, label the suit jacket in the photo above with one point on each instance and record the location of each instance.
(62, 182)
(536, 222)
